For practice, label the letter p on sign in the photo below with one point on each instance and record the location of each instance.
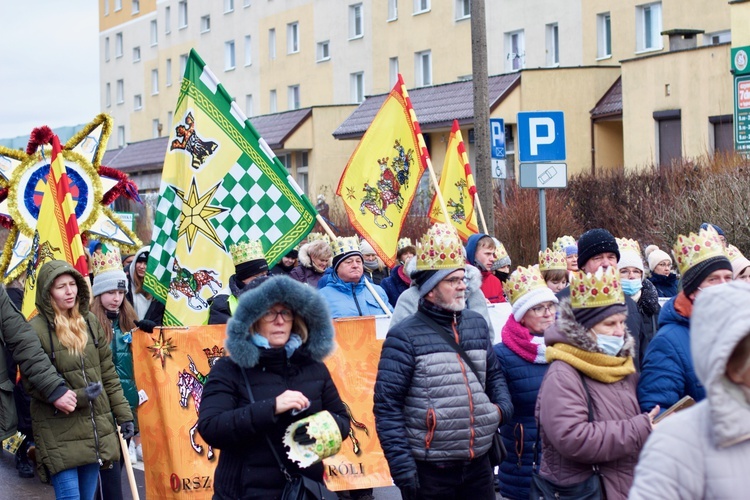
(541, 131)
(541, 136)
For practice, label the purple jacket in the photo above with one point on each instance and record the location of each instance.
(306, 275)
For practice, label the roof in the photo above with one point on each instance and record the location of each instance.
(277, 127)
(611, 103)
(436, 107)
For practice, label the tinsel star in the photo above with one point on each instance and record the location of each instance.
(162, 348)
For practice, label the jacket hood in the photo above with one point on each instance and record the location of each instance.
(304, 257)
(304, 301)
(471, 246)
(567, 330)
(131, 268)
(47, 275)
(720, 320)
(669, 315)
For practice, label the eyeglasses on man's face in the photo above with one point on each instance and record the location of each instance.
(271, 315)
(455, 282)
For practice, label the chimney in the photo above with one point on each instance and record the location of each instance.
(681, 39)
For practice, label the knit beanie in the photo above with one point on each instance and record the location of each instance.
(429, 279)
(366, 248)
(245, 270)
(108, 273)
(595, 242)
(716, 228)
(343, 248)
(654, 255)
(590, 316)
(630, 259)
(571, 250)
(532, 299)
(693, 277)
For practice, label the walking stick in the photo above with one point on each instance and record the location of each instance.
(128, 467)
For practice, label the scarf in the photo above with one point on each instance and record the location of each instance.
(371, 266)
(519, 339)
(403, 276)
(291, 345)
(682, 305)
(600, 367)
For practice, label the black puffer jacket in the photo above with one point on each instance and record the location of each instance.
(228, 421)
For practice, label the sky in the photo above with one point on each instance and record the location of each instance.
(49, 64)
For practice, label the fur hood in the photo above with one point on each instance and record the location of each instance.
(567, 330)
(301, 299)
(304, 256)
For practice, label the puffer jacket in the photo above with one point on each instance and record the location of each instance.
(87, 434)
(305, 272)
(352, 299)
(666, 286)
(668, 373)
(394, 285)
(571, 444)
(229, 421)
(145, 308)
(704, 451)
(429, 406)
(649, 309)
(122, 357)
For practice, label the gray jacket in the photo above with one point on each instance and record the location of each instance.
(704, 451)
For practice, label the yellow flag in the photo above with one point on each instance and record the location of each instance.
(458, 188)
(379, 182)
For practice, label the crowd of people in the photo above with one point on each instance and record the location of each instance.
(584, 395)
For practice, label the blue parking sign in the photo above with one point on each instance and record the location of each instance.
(541, 136)
(497, 138)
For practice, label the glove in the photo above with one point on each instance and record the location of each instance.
(127, 430)
(146, 325)
(409, 487)
(301, 436)
(93, 390)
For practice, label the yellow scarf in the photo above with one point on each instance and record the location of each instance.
(601, 367)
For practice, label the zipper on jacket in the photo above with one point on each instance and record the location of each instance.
(93, 416)
(356, 302)
(468, 390)
(431, 422)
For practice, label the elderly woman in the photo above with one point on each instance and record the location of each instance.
(587, 407)
(374, 269)
(314, 258)
(662, 276)
(278, 338)
(523, 363)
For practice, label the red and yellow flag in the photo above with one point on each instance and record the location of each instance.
(379, 182)
(458, 188)
(57, 236)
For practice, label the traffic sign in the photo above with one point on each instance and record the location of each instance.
(497, 139)
(543, 175)
(541, 136)
(498, 169)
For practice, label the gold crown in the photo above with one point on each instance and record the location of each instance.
(562, 242)
(318, 236)
(550, 260)
(500, 251)
(628, 245)
(245, 251)
(733, 253)
(106, 260)
(403, 243)
(441, 249)
(695, 248)
(344, 245)
(214, 354)
(522, 281)
(599, 289)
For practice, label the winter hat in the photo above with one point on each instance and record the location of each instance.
(654, 255)
(739, 261)
(142, 256)
(366, 248)
(248, 259)
(698, 255)
(108, 273)
(343, 248)
(596, 296)
(630, 254)
(292, 254)
(502, 258)
(594, 242)
(440, 255)
(566, 244)
(718, 230)
(526, 289)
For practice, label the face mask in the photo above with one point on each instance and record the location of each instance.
(631, 287)
(610, 344)
(502, 276)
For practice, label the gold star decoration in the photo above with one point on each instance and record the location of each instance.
(162, 348)
(195, 214)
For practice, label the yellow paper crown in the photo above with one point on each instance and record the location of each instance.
(550, 260)
(562, 242)
(441, 249)
(344, 245)
(628, 245)
(695, 248)
(245, 251)
(318, 236)
(106, 260)
(403, 243)
(733, 253)
(599, 289)
(500, 251)
(522, 281)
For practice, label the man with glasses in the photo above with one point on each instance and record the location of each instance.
(436, 412)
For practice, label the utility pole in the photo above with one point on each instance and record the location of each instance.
(481, 112)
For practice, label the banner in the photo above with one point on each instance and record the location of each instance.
(221, 184)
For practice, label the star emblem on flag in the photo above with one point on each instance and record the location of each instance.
(162, 348)
(196, 213)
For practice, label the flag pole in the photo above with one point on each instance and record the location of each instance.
(478, 207)
(128, 466)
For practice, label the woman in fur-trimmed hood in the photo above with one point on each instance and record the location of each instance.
(591, 359)
(278, 336)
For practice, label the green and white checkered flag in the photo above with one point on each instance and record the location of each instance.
(221, 184)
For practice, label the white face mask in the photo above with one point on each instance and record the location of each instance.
(610, 344)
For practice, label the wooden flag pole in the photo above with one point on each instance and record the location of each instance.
(128, 466)
(433, 178)
(478, 207)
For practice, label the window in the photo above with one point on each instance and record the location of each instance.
(228, 6)
(553, 45)
(118, 45)
(169, 120)
(717, 37)
(603, 35)
(423, 68)
(463, 9)
(355, 21)
(393, 70)
(205, 23)
(723, 130)
(182, 14)
(118, 5)
(648, 26)
(183, 63)
(323, 53)
(106, 7)
(108, 95)
(155, 128)
(669, 136)
(120, 91)
(154, 81)
(121, 136)
(515, 55)
(272, 43)
(106, 49)
(167, 20)
(229, 55)
(249, 105)
(357, 86)
(137, 101)
(292, 38)
(272, 101)
(168, 70)
(136, 54)
(392, 10)
(154, 33)
(136, 6)
(293, 96)
(248, 50)
(302, 170)
(246, 3)
(421, 6)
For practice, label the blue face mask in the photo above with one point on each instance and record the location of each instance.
(631, 287)
(610, 344)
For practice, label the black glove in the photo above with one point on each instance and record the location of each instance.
(127, 430)
(93, 390)
(301, 436)
(146, 325)
(409, 487)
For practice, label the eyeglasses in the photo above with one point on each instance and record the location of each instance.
(455, 282)
(271, 315)
(543, 309)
